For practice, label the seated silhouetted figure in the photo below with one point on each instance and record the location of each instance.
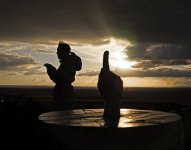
(111, 88)
(64, 76)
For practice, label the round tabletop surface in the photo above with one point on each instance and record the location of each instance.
(94, 118)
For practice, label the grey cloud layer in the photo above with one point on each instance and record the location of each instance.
(150, 56)
(18, 63)
(9, 61)
(159, 51)
(50, 20)
(15, 47)
(161, 21)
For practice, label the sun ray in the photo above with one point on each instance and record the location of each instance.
(118, 59)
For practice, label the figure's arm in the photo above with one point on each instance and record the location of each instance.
(51, 71)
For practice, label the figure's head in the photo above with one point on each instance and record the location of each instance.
(63, 49)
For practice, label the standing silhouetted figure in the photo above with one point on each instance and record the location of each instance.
(64, 76)
(111, 88)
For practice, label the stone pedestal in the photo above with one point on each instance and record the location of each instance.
(85, 129)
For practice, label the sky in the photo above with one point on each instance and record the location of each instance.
(149, 40)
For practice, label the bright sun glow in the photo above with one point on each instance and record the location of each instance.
(118, 58)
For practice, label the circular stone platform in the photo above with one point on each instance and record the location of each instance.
(136, 129)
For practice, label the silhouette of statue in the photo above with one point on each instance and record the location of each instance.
(64, 76)
(111, 122)
(111, 88)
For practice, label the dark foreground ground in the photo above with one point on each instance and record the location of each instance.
(21, 106)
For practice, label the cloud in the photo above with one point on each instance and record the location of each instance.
(50, 20)
(158, 51)
(13, 73)
(89, 73)
(146, 21)
(169, 51)
(137, 51)
(17, 64)
(14, 62)
(19, 47)
(159, 72)
(158, 55)
(150, 21)
(147, 64)
(39, 80)
(35, 71)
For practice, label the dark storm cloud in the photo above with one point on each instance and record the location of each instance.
(161, 21)
(150, 56)
(67, 19)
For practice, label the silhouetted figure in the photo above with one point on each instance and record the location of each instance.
(111, 88)
(64, 76)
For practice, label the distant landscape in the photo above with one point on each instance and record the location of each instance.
(23, 104)
(130, 94)
(166, 99)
